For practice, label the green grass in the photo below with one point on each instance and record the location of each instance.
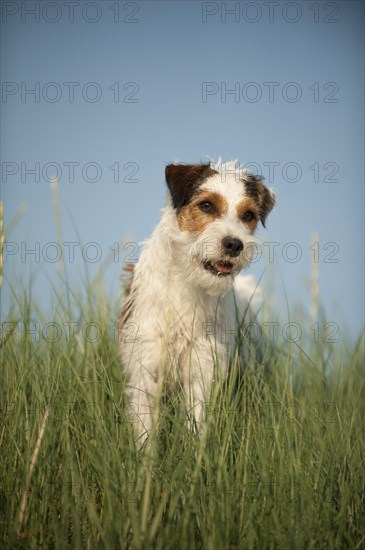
(282, 465)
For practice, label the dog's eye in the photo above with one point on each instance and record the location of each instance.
(248, 216)
(206, 206)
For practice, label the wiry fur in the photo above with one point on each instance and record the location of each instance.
(174, 301)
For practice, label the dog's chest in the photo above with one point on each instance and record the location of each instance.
(191, 324)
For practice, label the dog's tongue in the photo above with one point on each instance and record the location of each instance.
(223, 268)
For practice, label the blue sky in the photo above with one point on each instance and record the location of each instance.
(123, 88)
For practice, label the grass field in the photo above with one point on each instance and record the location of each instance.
(282, 465)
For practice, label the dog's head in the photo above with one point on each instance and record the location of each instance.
(217, 210)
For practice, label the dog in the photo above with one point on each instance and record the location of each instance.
(183, 287)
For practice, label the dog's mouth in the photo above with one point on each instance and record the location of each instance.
(221, 268)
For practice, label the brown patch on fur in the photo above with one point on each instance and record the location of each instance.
(263, 197)
(249, 205)
(183, 181)
(127, 308)
(193, 219)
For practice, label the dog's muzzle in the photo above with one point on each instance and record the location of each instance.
(231, 248)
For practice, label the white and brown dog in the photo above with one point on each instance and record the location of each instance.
(184, 284)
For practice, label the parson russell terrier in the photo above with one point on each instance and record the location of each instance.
(185, 283)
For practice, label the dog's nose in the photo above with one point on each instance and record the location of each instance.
(232, 246)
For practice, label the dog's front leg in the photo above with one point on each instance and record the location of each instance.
(202, 370)
(145, 380)
(142, 406)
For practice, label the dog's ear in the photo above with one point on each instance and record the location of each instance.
(184, 179)
(264, 196)
(267, 204)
